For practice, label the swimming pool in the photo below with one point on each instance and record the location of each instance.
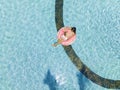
(27, 30)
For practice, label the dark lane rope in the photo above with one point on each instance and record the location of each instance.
(107, 83)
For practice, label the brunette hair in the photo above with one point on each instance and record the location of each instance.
(73, 29)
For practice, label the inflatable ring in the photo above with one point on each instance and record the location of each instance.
(68, 41)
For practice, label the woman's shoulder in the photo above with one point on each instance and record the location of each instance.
(67, 27)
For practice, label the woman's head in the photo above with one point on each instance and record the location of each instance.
(73, 29)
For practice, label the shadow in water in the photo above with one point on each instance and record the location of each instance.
(104, 82)
(81, 81)
(50, 81)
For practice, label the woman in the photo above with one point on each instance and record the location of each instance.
(68, 33)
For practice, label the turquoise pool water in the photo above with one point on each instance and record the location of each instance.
(27, 30)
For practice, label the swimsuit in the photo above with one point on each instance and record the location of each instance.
(64, 37)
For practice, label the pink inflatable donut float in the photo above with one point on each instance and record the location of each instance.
(68, 41)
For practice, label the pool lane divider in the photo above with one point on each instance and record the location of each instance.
(104, 82)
